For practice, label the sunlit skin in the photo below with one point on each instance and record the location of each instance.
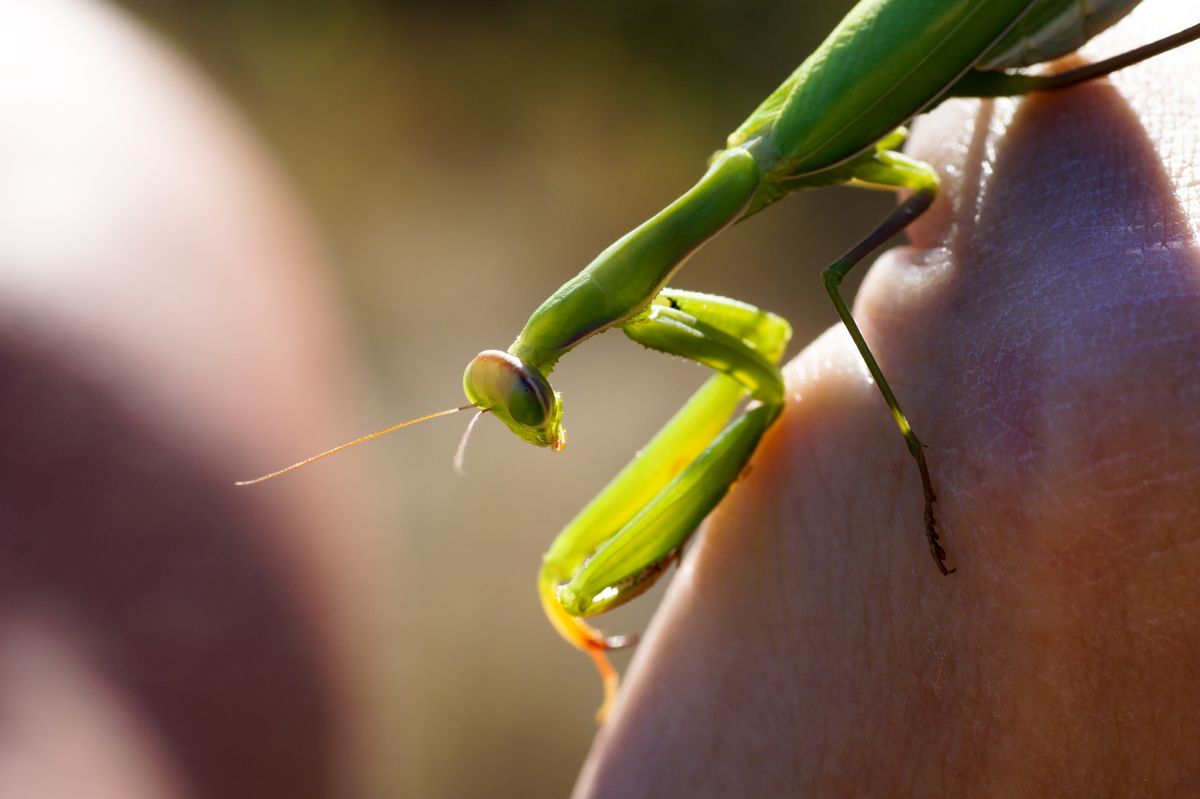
(837, 120)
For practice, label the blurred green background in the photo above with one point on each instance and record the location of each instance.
(461, 160)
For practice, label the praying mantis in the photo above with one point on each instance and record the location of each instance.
(838, 119)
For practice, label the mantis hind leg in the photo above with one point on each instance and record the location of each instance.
(1007, 84)
(635, 528)
(892, 169)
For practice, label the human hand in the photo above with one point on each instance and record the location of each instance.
(1043, 335)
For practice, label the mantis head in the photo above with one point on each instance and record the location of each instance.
(518, 394)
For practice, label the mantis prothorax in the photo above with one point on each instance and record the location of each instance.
(838, 119)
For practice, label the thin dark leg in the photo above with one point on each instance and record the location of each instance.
(1001, 84)
(909, 210)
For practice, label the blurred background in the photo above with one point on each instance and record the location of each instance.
(458, 162)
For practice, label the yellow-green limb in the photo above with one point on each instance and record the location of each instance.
(619, 544)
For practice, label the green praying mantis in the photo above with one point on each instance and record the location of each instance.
(838, 119)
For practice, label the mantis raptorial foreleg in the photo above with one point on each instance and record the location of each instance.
(623, 540)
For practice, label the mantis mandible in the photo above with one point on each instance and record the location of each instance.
(838, 119)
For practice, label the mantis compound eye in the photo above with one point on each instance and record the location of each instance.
(518, 394)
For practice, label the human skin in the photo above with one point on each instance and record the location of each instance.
(1043, 334)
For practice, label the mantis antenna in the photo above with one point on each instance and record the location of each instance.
(460, 455)
(349, 444)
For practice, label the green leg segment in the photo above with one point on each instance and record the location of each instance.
(634, 529)
(894, 170)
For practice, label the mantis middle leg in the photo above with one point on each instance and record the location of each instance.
(1007, 84)
(897, 170)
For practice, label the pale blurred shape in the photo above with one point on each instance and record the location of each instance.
(67, 731)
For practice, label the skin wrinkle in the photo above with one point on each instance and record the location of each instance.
(1103, 178)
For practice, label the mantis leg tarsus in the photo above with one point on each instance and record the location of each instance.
(587, 639)
(610, 680)
(912, 175)
(936, 550)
